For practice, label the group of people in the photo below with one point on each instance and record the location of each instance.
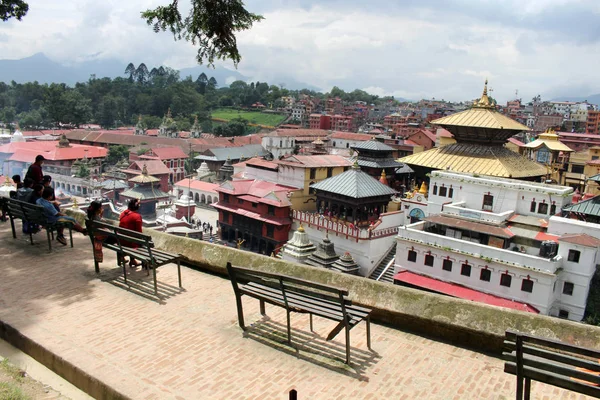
(36, 188)
(206, 227)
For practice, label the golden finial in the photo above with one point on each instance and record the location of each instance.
(300, 229)
(423, 189)
(484, 101)
(144, 170)
(356, 166)
(75, 204)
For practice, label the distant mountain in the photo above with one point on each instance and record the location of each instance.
(40, 68)
(592, 99)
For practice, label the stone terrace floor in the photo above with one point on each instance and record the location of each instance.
(188, 345)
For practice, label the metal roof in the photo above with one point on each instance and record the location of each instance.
(481, 118)
(500, 231)
(354, 183)
(476, 159)
(144, 193)
(595, 178)
(233, 153)
(587, 207)
(110, 184)
(374, 145)
(378, 163)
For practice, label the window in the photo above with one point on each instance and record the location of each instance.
(429, 260)
(527, 285)
(254, 205)
(435, 189)
(594, 158)
(447, 265)
(271, 210)
(553, 209)
(505, 280)
(485, 275)
(533, 205)
(226, 216)
(347, 145)
(270, 230)
(488, 202)
(313, 173)
(329, 172)
(443, 191)
(240, 201)
(563, 314)
(465, 269)
(225, 198)
(574, 255)
(450, 192)
(577, 169)
(568, 288)
(543, 208)
(412, 256)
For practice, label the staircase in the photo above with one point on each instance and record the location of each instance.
(388, 260)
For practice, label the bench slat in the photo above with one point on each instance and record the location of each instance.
(512, 336)
(560, 369)
(558, 357)
(554, 379)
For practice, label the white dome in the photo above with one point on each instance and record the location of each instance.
(17, 137)
(184, 198)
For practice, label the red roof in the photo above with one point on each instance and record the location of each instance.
(444, 133)
(50, 151)
(300, 132)
(262, 191)
(428, 133)
(515, 141)
(454, 290)
(197, 185)
(351, 136)
(154, 167)
(167, 153)
(254, 215)
(259, 162)
(582, 239)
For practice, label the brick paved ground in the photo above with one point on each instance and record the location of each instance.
(188, 346)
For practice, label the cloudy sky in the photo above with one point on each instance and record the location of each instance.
(413, 49)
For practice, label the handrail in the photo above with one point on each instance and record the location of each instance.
(390, 263)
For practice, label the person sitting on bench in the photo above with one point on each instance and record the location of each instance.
(132, 220)
(36, 194)
(46, 181)
(54, 216)
(24, 192)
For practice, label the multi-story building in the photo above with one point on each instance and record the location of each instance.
(500, 241)
(172, 157)
(255, 214)
(288, 101)
(319, 121)
(592, 123)
(543, 122)
(343, 123)
(299, 111)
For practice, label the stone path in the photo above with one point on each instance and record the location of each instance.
(188, 344)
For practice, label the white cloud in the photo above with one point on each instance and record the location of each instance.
(442, 49)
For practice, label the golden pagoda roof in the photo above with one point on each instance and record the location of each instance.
(550, 140)
(482, 114)
(476, 159)
(144, 177)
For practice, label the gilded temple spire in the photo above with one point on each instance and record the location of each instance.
(484, 101)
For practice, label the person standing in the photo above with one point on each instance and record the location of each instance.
(132, 220)
(35, 170)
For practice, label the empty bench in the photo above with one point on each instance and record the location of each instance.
(549, 361)
(33, 214)
(119, 239)
(298, 295)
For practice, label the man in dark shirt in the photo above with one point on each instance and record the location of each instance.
(35, 170)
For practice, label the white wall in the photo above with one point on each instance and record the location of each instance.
(291, 176)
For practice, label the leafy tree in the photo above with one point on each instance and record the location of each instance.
(141, 73)
(210, 24)
(13, 9)
(117, 153)
(78, 109)
(201, 83)
(212, 83)
(107, 112)
(83, 172)
(130, 70)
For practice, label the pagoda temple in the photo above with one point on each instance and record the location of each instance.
(345, 264)
(375, 157)
(353, 196)
(480, 133)
(325, 255)
(298, 248)
(548, 150)
(146, 189)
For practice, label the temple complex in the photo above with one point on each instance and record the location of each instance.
(168, 127)
(549, 151)
(480, 133)
(325, 255)
(298, 248)
(146, 189)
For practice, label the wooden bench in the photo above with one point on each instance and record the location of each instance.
(118, 239)
(298, 295)
(33, 214)
(555, 363)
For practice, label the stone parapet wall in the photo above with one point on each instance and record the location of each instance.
(460, 322)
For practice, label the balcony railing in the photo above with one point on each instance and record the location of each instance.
(343, 228)
(459, 209)
(415, 234)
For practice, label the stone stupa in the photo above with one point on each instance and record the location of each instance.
(325, 255)
(298, 248)
(345, 264)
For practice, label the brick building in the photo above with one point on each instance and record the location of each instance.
(593, 122)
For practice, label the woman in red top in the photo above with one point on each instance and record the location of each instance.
(132, 220)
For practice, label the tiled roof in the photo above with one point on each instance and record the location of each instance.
(316, 161)
(372, 144)
(50, 151)
(351, 136)
(167, 153)
(259, 162)
(355, 184)
(587, 207)
(197, 185)
(516, 142)
(427, 133)
(154, 167)
(476, 159)
(582, 239)
(261, 191)
(444, 133)
(254, 215)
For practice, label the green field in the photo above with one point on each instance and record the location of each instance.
(253, 117)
